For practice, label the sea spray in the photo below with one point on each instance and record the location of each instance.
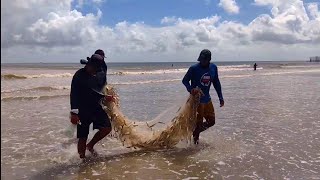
(70, 130)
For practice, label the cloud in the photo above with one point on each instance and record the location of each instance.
(98, 1)
(178, 36)
(230, 6)
(314, 11)
(79, 4)
(60, 30)
(284, 8)
(168, 20)
(51, 30)
(265, 2)
(17, 16)
(289, 23)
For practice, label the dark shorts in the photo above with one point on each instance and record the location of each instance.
(98, 117)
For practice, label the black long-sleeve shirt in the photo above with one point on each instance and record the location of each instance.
(84, 89)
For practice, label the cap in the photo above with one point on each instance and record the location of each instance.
(95, 60)
(100, 52)
(205, 55)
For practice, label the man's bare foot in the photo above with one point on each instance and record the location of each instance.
(92, 151)
(82, 156)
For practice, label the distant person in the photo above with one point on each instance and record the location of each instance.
(255, 66)
(202, 75)
(86, 93)
(171, 65)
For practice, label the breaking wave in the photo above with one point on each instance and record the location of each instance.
(12, 98)
(184, 70)
(19, 76)
(145, 82)
(42, 88)
(163, 71)
(122, 73)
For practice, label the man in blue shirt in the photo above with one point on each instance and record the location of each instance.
(202, 75)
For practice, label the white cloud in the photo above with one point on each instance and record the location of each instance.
(289, 23)
(70, 29)
(230, 6)
(265, 2)
(98, 1)
(52, 31)
(81, 3)
(168, 20)
(284, 8)
(18, 15)
(314, 10)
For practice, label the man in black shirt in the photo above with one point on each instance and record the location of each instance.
(86, 94)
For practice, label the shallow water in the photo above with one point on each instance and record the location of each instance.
(268, 129)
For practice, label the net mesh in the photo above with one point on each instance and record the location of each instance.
(144, 135)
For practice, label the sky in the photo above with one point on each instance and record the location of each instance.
(159, 31)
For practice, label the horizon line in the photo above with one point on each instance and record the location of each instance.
(156, 62)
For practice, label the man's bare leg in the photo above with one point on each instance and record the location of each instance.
(103, 132)
(82, 147)
(202, 126)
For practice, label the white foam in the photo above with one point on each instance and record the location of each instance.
(95, 173)
(129, 172)
(70, 131)
(162, 71)
(188, 178)
(41, 88)
(243, 67)
(221, 163)
(27, 76)
(291, 72)
(175, 172)
(145, 82)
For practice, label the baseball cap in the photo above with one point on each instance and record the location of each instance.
(205, 55)
(100, 52)
(95, 60)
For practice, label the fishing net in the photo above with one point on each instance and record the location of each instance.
(144, 135)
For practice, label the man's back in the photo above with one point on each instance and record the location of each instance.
(84, 90)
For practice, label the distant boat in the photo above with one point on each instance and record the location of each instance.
(315, 59)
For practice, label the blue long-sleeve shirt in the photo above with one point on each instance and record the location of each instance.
(203, 77)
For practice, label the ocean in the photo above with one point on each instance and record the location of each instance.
(269, 127)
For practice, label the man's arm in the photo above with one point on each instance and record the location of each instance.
(106, 74)
(75, 93)
(217, 85)
(186, 79)
(105, 69)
